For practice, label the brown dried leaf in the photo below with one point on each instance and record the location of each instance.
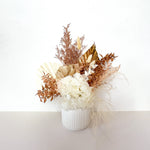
(103, 70)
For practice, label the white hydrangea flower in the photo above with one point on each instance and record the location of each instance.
(76, 92)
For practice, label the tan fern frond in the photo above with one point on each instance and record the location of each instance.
(49, 89)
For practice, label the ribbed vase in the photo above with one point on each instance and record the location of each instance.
(76, 119)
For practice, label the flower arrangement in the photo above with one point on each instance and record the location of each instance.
(79, 75)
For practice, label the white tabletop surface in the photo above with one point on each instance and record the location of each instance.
(44, 131)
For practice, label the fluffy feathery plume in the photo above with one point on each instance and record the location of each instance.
(69, 52)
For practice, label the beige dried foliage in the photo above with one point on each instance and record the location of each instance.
(48, 67)
(67, 70)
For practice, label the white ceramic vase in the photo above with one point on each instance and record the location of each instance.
(76, 119)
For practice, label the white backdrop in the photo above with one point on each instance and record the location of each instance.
(31, 29)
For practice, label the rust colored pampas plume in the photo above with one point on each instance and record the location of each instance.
(69, 52)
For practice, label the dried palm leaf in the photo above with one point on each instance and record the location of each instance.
(89, 56)
(67, 70)
(50, 68)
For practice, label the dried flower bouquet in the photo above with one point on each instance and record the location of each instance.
(77, 79)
